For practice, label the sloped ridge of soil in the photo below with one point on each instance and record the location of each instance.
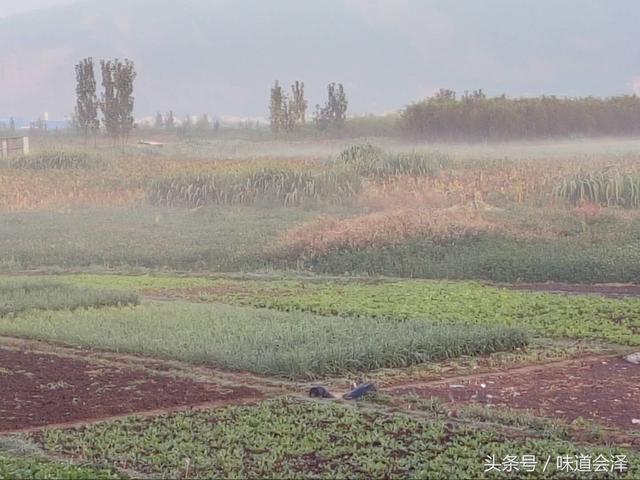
(611, 290)
(605, 390)
(38, 389)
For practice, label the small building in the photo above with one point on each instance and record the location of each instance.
(13, 146)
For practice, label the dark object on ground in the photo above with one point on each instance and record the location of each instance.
(360, 391)
(320, 392)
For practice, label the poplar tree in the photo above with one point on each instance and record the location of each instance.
(86, 110)
(298, 105)
(276, 114)
(117, 98)
(124, 75)
(108, 101)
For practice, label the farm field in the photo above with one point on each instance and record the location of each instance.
(165, 312)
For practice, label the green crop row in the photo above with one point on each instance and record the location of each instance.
(296, 345)
(446, 303)
(21, 295)
(288, 438)
(441, 302)
(28, 468)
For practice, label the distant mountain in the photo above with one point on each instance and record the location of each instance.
(221, 56)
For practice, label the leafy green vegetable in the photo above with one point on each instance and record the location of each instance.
(288, 438)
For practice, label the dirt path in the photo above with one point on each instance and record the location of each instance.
(602, 389)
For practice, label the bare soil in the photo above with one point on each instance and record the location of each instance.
(42, 388)
(611, 290)
(604, 390)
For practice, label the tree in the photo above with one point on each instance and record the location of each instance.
(170, 122)
(159, 123)
(288, 122)
(86, 110)
(334, 112)
(203, 122)
(124, 75)
(337, 103)
(186, 125)
(108, 102)
(276, 114)
(298, 104)
(117, 99)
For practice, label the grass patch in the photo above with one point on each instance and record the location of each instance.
(20, 295)
(492, 257)
(221, 239)
(296, 345)
(287, 438)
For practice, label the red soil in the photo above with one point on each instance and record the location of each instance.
(38, 389)
(603, 390)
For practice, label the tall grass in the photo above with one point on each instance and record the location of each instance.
(271, 186)
(17, 296)
(374, 163)
(295, 345)
(59, 159)
(608, 188)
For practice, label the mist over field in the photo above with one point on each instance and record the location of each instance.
(378, 239)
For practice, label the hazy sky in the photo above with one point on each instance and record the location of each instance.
(14, 7)
(220, 56)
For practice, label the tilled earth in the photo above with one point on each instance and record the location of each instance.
(605, 390)
(42, 388)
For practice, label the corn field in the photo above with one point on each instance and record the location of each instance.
(607, 188)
